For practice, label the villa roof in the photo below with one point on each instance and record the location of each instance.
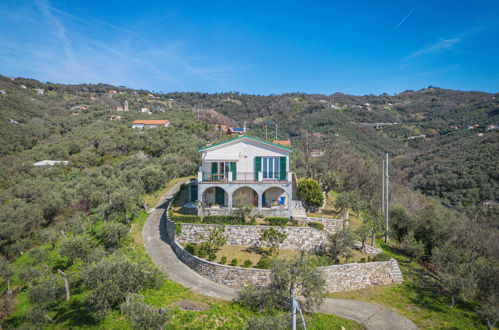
(151, 122)
(250, 138)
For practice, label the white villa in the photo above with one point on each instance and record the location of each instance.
(246, 169)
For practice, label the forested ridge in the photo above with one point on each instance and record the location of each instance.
(439, 182)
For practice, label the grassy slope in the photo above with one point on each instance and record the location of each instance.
(221, 314)
(418, 298)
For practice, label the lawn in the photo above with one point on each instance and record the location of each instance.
(419, 298)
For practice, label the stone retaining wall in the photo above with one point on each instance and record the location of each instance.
(299, 238)
(338, 277)
(330, 225)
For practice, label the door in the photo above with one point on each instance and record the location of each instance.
(219, 196)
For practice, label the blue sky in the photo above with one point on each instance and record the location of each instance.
(356, 47)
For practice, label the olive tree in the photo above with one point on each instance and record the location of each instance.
(142, 315)
(274, 238)
(339, 245)
(298, 276)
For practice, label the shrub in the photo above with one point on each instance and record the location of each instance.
(142, 315)
(178, 229)
(276, 221)
(184, 218)
(223, 260)
(233, 262)
(202, 252)
(212, 257)
(381, 257)
(264, 263)
(310, 193)
(223, 220)
(316, 225)
(112, 233)
(362, 260)
(247, 263)
(192, 249)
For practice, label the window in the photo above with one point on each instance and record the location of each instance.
(270, 168)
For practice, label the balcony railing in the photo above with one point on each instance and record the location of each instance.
(242, 177)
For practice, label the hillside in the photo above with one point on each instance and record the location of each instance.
(443, 148)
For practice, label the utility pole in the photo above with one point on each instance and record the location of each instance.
(387, 178)
(276, 131)
(383, 187)
(266, 137)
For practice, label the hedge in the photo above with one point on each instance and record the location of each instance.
(280, 221)
(223, 220)
(316, 225)
(184, 218)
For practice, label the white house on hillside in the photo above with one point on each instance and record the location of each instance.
(150, 123)
(246, 169)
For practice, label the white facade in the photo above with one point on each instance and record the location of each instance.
(245, 169)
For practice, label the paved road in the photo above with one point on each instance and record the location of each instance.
(372, 316)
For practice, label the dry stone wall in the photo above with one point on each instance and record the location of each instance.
(338, 277)
(298, 238)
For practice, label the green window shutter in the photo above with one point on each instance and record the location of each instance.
(214, 168)
(258, 166)
(233, 169)
(282, 168)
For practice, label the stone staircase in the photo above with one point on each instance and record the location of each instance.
(396, 273)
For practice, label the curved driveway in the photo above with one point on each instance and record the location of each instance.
(372, 316)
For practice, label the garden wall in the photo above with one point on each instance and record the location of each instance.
(338, 277)
(299, 238)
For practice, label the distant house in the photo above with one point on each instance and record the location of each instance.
(143, 124)
(113, 91)
(114, 117)
(23, 86)
(479, 134)
(236, 130)
(2, 92)
(285, 143)
(80, 107)
(454, 127)
(491, 127)
(421, 136)
(222, 128)
(146, 110)
(50, 163)
(120, 108)
(39, 91)
(470, 127)
(318, 135)
(317, 153)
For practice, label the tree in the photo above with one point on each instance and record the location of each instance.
(215, 240)
(142, 315)
(274, 238)
(310, 193)
(46, 291)
(487, 290)
(78, 247)
(413, 248)
(112, 278)
(112, 233)
(287, 276)
(454, 270)
(363, 233)
(339, 245)
(6, 272)
(242, 209)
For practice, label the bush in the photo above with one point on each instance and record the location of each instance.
(316, 225)
(247, 263)
(264, 263)
(212, 257)
(142, 315)
(192, 249)
(233, 262)
(381, 257)
(223, 260)
(178, 229)
(310, 193)
(223, 220)
(277, 221)
(202, 252)
(184, 218)
(362, 260)
(112, 233)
